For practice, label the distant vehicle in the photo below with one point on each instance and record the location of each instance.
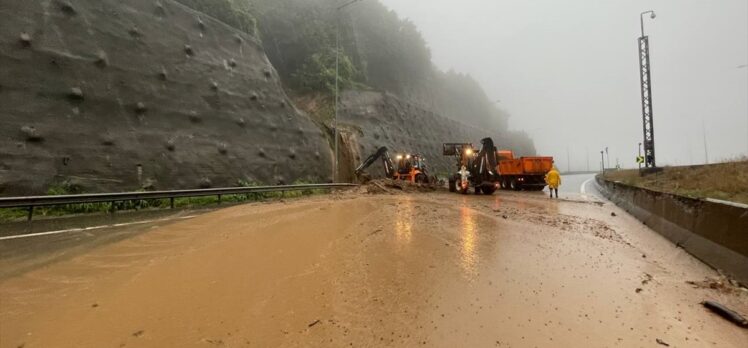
(475, 168)
(524, 173)
(410, 167)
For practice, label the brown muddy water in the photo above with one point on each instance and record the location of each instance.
(422, 269)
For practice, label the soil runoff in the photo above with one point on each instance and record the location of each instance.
(377, 266)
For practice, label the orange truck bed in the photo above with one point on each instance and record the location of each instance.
(524, 173)
(526, 166)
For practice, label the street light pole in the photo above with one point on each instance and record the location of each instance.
(706, 152)
(587, 152)
(646, 94)
(608, 155)
(602, 161)
(336, 159)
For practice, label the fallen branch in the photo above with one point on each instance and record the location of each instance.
(726, 313)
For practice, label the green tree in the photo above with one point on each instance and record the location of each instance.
(317, 74)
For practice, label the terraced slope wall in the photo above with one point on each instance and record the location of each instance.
(116, 95)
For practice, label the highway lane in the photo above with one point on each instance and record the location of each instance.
(579, 186)
(359, 269)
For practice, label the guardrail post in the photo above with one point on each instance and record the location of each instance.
(112, 207)
(219, 199)
(171, 202)
(31, 213)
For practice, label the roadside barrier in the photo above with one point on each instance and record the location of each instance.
(716, 232)
(31, 202)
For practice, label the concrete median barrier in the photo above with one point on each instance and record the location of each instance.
(715, 232)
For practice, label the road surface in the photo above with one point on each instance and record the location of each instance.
(434, 269)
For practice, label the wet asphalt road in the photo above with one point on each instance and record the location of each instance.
(579, 186)
(422, 269)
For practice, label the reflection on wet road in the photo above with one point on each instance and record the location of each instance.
(435, 269)
(404, 219)
(468, 237)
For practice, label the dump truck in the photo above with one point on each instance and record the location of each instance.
(524, 173)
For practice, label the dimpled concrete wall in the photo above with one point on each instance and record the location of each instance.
(116, 95)
(373, 119)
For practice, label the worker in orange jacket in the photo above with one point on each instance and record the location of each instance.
(553, 179)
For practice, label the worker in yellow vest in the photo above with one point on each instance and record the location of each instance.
(553, 179)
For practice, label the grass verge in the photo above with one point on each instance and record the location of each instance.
(727, 181)
(18, 214)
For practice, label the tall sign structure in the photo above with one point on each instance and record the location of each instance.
(646, 91)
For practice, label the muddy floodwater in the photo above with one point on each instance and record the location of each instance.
(352, 269)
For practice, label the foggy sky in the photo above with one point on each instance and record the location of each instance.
(567, 71)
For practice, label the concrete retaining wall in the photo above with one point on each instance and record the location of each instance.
(714, 232)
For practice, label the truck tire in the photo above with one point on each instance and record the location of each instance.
(452, 185)
(477, 189)
(488, 189)
(514, 185)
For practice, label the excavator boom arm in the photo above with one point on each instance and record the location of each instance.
(486, 159)
(389, 166)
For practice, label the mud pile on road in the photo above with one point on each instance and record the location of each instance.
(722, 284)
(389, 186)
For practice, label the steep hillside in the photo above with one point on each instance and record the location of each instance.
(370, 120)
(110, 95)
(379, 51)
(106, 95)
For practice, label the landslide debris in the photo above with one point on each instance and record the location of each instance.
(721, 284)
(389, 186)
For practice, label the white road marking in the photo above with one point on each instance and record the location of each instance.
(83, 229)
(583, 188)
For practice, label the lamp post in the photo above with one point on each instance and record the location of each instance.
(602, 161)
(641, 18)
(335, 170)
(706, 152)
(607, 155)
(587, 152)
(646, 94)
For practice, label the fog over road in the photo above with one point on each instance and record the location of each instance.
(353, 269)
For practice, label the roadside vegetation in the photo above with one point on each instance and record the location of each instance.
(378, 51)
(19, 214)
(726, 181)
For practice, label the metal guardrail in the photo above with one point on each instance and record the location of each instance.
(31, 202)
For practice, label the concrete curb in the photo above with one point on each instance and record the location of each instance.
(713, 231)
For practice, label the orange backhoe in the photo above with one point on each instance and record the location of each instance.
(410, 167)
